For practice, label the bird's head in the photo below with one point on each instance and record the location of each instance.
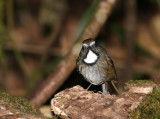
(88, 51)
(88, 43)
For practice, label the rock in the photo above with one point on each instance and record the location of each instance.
(77, 103)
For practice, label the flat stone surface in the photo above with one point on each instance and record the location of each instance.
(77, 103)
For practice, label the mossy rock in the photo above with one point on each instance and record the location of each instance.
(20, 105)
(140, 82)
(149, 108)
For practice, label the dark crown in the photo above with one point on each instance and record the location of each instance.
(88, 41)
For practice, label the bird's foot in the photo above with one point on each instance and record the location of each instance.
(104, 93)
(100, 92)
(89, 87)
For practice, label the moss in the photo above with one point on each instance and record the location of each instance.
(149, 108)
(21, 105)
(139, 82)
(18, 104)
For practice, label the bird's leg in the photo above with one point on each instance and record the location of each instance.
(105, 88)
(89, 86)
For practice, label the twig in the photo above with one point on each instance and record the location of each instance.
(63, 70)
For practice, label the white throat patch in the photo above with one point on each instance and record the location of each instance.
(91, 57)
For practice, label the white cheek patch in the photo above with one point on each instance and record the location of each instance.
(91, 57)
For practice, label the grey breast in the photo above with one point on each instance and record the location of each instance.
(95, 74)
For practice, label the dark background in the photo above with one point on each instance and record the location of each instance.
(35, 35)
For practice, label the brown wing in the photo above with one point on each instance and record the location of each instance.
(110, 69)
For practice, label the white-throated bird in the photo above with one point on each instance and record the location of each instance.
(96, 66)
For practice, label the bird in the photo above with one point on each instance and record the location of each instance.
(96, 66)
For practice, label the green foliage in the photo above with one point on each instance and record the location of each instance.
(149, 108)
